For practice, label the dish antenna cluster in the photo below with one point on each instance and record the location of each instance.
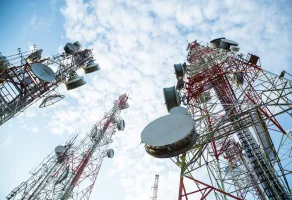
(27, 76)
(224, 125)
(71, 171)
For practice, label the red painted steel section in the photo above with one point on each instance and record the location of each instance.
(207, 190)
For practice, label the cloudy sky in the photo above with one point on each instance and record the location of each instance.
(136, 44)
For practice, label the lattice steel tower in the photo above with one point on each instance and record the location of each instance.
(155, 188)
(71, 171)
(228, 128)
(26, 77)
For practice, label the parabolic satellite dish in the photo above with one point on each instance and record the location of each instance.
(43, 72)
(234, 48)
(225, 44)
(75, 81)
(216, 42)
(49, 100)
(169, 135)
(171, 97)
(77, 45)
(179, 71)
(110, 153)
(91, 67)
(35, 56)
(70, 48)
(121, 125)
(59, 149)
(179, 110)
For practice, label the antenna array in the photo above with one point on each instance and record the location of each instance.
(235, 106)
(27, 77)
(71, 171)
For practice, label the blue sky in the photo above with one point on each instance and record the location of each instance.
(30, 22)
(136, 44)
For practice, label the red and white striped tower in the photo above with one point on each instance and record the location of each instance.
(230, 97)
(235, 146)
(71, 171)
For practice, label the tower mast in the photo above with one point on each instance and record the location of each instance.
(227, 128)
(27, 77)
(70, 172)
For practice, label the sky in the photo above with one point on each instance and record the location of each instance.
(136, 44)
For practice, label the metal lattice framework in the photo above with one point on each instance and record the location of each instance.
(72, 173)
(155, 188)
(20, 87)
(233, 100)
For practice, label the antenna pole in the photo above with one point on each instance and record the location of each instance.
(155, 188)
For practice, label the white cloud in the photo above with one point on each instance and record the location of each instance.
(32, 20)
(165, 9)
(35, 129)
(31, 113)
(8, 141)
(136, 44)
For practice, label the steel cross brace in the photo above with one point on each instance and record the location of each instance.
(206, 190)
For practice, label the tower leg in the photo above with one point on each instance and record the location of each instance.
(181, 183)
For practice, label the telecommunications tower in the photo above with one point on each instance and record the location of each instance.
(71, 171)
(155, 188)
(228, 138)
(26, 77)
